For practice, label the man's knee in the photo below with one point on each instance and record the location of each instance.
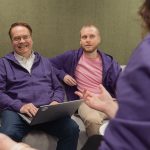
(92, 128)
(92, 125)
(91, 118)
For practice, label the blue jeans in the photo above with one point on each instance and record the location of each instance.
(65, 129)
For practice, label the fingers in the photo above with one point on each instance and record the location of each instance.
(70, 80)
(54, 103)
(101, 88)
(29, 109)
(89, 101)
(80, 94)
(85, 94)
(104, 92)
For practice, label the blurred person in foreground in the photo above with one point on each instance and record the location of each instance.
(7, 143)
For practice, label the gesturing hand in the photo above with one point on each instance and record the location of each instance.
(102, 101)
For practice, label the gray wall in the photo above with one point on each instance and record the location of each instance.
(56, 24)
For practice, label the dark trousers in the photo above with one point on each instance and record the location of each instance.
(92, 143)
(65, 129)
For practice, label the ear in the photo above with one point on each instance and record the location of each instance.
(99, 41)
(80, 42)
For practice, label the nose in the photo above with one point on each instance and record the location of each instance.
(22, 39)
(88, 39)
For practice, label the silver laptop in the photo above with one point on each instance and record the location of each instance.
(48, 113)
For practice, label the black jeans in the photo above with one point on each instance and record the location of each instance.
(93, 142)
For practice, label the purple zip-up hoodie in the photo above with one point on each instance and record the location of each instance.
(66, 64)
(18, 86)
(130, 129)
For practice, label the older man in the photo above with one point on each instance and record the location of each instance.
(27, 81)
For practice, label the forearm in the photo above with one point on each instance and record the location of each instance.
(6, 102)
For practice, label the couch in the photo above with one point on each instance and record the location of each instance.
(42, 141)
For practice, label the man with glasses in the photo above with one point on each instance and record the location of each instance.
(27, 81)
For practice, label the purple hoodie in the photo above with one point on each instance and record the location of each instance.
(18, 86)
(66, 64)
(130, 129)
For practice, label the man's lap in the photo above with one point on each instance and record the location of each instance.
(12, 122)
(88, 114)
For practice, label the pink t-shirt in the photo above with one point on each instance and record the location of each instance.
(88, 74)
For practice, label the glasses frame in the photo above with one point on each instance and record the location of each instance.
(19, 38)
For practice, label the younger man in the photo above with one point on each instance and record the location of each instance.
(87, 68)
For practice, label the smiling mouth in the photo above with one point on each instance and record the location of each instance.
(22, 46)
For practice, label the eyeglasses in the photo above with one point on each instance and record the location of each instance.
(18, 38)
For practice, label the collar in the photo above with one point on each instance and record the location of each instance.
(21, 58)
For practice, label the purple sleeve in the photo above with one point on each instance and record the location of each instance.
(58, 89)
(63, 63)
(7, 102)
(58, 63)
(130, 128)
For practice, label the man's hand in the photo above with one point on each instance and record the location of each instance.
(102, 101)
(29, 109)
(70, 80)
(54, 103)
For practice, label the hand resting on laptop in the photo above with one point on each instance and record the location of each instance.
(53, 112)
(30, 110)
